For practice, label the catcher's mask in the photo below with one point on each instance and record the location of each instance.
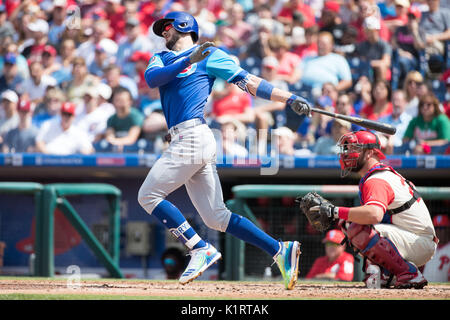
(351, 147)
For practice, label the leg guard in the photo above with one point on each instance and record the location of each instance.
(379, 250)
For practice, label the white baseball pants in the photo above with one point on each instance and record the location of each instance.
(189, 160)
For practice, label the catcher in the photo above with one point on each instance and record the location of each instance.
(392, 228)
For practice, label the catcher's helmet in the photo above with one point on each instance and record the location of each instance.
(351, 146)
(181, 21)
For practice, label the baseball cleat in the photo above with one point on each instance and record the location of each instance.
(411, 280)
(287, 262)
(201, 259)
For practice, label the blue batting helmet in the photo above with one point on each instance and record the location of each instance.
(181, 21)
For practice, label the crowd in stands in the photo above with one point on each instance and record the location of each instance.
(71, 73)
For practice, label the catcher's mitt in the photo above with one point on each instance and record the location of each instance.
(319, 211)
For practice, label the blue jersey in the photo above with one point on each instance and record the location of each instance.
(184, 97)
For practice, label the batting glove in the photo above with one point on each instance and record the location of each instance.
(200, 53)
(300, 106)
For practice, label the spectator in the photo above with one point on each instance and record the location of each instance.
(133, 41)
(319, 124)
(375, 51)
(65, 59)
(368, 8)
(92, 119)
(10, 48)
(48, 60)
(291, 7)
(344, 105)
(59, 136)
(237, 33)
(115, 15)
(283, 142)
(266, 111)
(114, 79)
(58, 19)
(81, 81)
(331, 22)
(6, 27)
(232, 103)
(258, 46)
(430, 128)
(174, 262)
(288, 61)
(309, 47)
(348, 43)
(23, 137)
(104, 56)
(10, 118)
(233, 138)
(381, 102)
(326, 67)
(32, 47)
(35, 87)
(438, 268)
(446, 104)
(336, 264)
(401, 15)
(11, 78)
(405, 40)
(411, 85)
(124, 127)
(50, 106)
(435, 29)
(398, 119)
(327, 144)
(100, 33)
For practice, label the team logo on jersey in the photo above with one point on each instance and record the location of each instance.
(188, 71)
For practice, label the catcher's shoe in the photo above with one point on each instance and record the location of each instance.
(287, 261)
(201, 259)
(411, 280)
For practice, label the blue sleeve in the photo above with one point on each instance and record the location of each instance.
(157, 74)
(221, 65)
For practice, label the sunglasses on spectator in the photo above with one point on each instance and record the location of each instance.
(427, 104)
(66, 114)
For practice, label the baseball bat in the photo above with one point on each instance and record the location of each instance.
(366, 123)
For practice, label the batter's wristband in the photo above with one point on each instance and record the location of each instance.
(343, 212)
(264, 90)
(291, 99)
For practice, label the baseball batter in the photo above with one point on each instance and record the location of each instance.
(185, 75)
(392, 228)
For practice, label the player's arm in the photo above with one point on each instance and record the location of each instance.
(222, 65)
(157, 74)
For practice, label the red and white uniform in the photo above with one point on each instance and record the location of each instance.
(411, 230)
(438, 268)
(342, 267)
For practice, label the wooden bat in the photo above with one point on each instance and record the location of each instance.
(369, 124)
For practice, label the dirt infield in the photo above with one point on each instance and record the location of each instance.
(215, 290)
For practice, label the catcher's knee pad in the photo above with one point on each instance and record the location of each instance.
(378, 250)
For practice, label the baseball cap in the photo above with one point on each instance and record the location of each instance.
(335, 236)
(92, 91)
(414, 11)
(270, 62)
(403, 3)
(26, 106)
(332, 6)
(132, 22)
(104, 90)
(68, 107)
(50, 50)
(59, 3)
(441, 220)
(372, 23)
(140, 56)
(10, 95)
(39, 25)
(10, 58)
